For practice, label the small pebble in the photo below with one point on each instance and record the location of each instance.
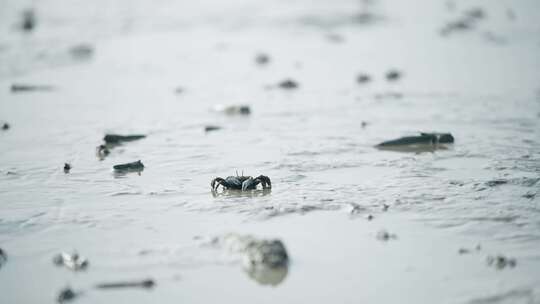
(82, 51)
(71, 261)
(102, 151)
(393, 75)
(66, 295)
(211, 128)
(288, 84)
(363, 78)
(67, 167)
(262, 59)
(5, 126)
(500, 261)
(463, 251)
(476, 13)
(179, 90)
(28, 20)
(3, 257)
(384, 235)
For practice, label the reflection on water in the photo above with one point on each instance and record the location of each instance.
(415, 148)
(123, 173)
(267, 275)
(240, 193)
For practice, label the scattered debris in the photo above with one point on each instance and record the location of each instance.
(262, 59)
(529, 195)
(66, 295)
(363, 78)
(465, 22)
(501, 262)
(3, 257)
(241, 182)
(475, 13)
(5, 126)
(211, 128)
(393, 75)
(385, 207)
(102, 151)
(457, 25)
(82, 51)
(496, 182)
(356, 209)
(288, 84)
(67, 167)
(233, 109)
(28, 20)
(130, 167)
(22, 88)
(115, 139)
(384, 235)
(463, 251)
(71, 261)
(148, 283)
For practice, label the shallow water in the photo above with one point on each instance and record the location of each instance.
(484, 189)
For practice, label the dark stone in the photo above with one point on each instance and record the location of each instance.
(28, 20)
(363, 78)
(288, 84)
(262, 59)
(496, 182)
(66, 295)
(423, 138)
(211, 128)
(3, 257)
(245, 110)
(149, 283)
(82, 51)
(134, 166)
(117, 139)
(21, 88)
(393, 75)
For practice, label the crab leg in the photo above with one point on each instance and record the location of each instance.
(248, 183)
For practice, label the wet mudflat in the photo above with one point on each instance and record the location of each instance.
(442, 224)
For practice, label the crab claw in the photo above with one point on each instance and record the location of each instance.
(216, 182)
(265, 181)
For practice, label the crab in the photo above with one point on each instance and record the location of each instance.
(241, 182)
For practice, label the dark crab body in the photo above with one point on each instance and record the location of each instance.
(242, 182)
